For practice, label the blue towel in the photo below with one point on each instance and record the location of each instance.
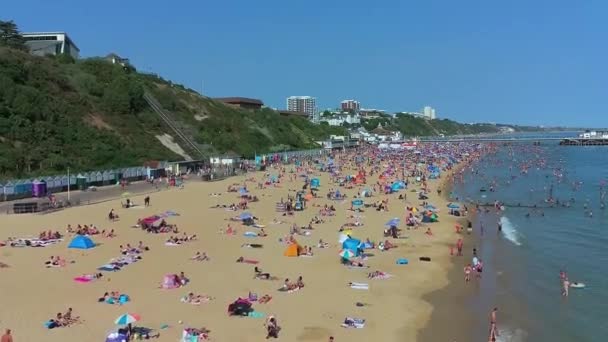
(402, 261)
(256, 314)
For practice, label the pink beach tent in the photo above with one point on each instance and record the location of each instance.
(169, 282)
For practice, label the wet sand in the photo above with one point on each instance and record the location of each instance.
(397, 310)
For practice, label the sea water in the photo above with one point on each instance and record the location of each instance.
(523, 261)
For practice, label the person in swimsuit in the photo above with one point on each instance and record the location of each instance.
(467, 273)
(7, 337)
(565, 287)
(493, 322)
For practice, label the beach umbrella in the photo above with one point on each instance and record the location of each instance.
(127, 319)
(393, 222)
(245, 216)
(453, 206)
(347, 253)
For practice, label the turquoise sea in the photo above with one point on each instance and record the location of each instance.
(539, 238)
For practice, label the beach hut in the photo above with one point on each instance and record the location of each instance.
(81, 242)
(108, 177)
(81, 182)
(39, 188)
(23, 187)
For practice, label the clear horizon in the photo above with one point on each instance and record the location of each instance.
(517, 63)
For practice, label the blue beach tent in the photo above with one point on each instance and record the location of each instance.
(352, 244)
(81, 242)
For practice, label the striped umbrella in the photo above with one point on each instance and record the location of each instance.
(347, 253)
(127, 319)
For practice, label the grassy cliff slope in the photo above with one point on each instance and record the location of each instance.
(90, 114)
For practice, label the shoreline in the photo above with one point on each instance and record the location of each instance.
(449, 302)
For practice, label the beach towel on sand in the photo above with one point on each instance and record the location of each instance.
(84, 278)
(350, 322)
(359, 286)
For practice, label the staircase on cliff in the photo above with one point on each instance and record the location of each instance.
(185, 142)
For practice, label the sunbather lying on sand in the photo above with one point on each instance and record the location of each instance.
(288, 286)
(49, 235)
(386, 245)
(322, 244)
(112, 297)
(259, 274)
(69, 318)
(200, 256)
(252, 245)
(355, 263)
(201, 334)
(378, 275)
(128, 250)
(56, 262)
(191, 298)
(265, 299)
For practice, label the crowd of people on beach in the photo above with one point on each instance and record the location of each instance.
(366, 162)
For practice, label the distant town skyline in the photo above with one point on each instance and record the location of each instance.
(512, 62)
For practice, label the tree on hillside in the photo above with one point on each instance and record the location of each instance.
(10, 36)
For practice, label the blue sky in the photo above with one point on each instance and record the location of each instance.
(525, 62)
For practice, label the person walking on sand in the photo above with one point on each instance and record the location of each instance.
(7, 337)
(493, 322)
(467, 273)
(459, 245)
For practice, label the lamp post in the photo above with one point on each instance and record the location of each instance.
(69, 184)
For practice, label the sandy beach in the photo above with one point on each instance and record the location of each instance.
(395, 310)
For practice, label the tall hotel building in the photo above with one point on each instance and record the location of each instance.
(302, 104)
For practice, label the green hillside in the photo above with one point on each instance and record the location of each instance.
(91, 114)
(411, 126)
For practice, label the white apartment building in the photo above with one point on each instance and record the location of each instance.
(341, 118)
(50, 43)
(429, 113)
(302, 104)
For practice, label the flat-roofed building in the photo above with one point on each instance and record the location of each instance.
(50, 43)
(241, 102)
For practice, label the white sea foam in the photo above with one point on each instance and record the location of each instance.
(509, 230)
(511, 335)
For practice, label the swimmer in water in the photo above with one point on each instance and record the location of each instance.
(565, 287)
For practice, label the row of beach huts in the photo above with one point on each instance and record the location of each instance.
(43, 186)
